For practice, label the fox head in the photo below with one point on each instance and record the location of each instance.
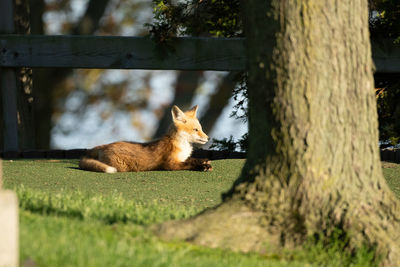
(188, 126)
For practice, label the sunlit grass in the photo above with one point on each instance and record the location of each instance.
(70, 217)
(106, 209)
(70, 229)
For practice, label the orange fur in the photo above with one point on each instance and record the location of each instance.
(171, 152)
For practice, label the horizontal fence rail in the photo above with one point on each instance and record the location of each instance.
(115, 52)
(109, 52)
(386, 56)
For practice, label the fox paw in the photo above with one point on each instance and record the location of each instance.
(206, 165)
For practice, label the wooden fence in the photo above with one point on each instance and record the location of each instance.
(116, 52)
(109, 52)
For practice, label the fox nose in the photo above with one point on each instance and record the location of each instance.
(204, 138)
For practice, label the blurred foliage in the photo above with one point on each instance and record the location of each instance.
(224, 144)
(217, 18)
(384, 19)
(120, 18)
(126, 92)
(388, 99)
(240, 95)
(123, 92)
(230, 144)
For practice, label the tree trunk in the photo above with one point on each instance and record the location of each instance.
(313, 162)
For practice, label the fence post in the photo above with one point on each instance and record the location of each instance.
(8, 84)
(9, 248)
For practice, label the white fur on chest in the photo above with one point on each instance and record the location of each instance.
(184, 150)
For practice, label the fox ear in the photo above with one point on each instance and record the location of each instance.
(177, 114)
(192, 112)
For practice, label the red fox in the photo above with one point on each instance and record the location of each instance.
(171, 152)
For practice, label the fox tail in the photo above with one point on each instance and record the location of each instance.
(90, 163)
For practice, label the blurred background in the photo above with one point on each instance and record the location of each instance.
(82, 108)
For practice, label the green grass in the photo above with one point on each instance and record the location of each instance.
(106, 209)
(391, 171)
(70, 229)
(70, 217)
(72, 242)
(180, 187)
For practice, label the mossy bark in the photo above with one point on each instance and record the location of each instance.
(313, 162)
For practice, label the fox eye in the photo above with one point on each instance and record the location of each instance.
(196, 130)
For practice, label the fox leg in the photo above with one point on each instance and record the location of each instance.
(193, 164)
(95, 165)
(200, 164)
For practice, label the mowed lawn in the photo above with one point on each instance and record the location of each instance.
(199, 189)
(70, 217)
